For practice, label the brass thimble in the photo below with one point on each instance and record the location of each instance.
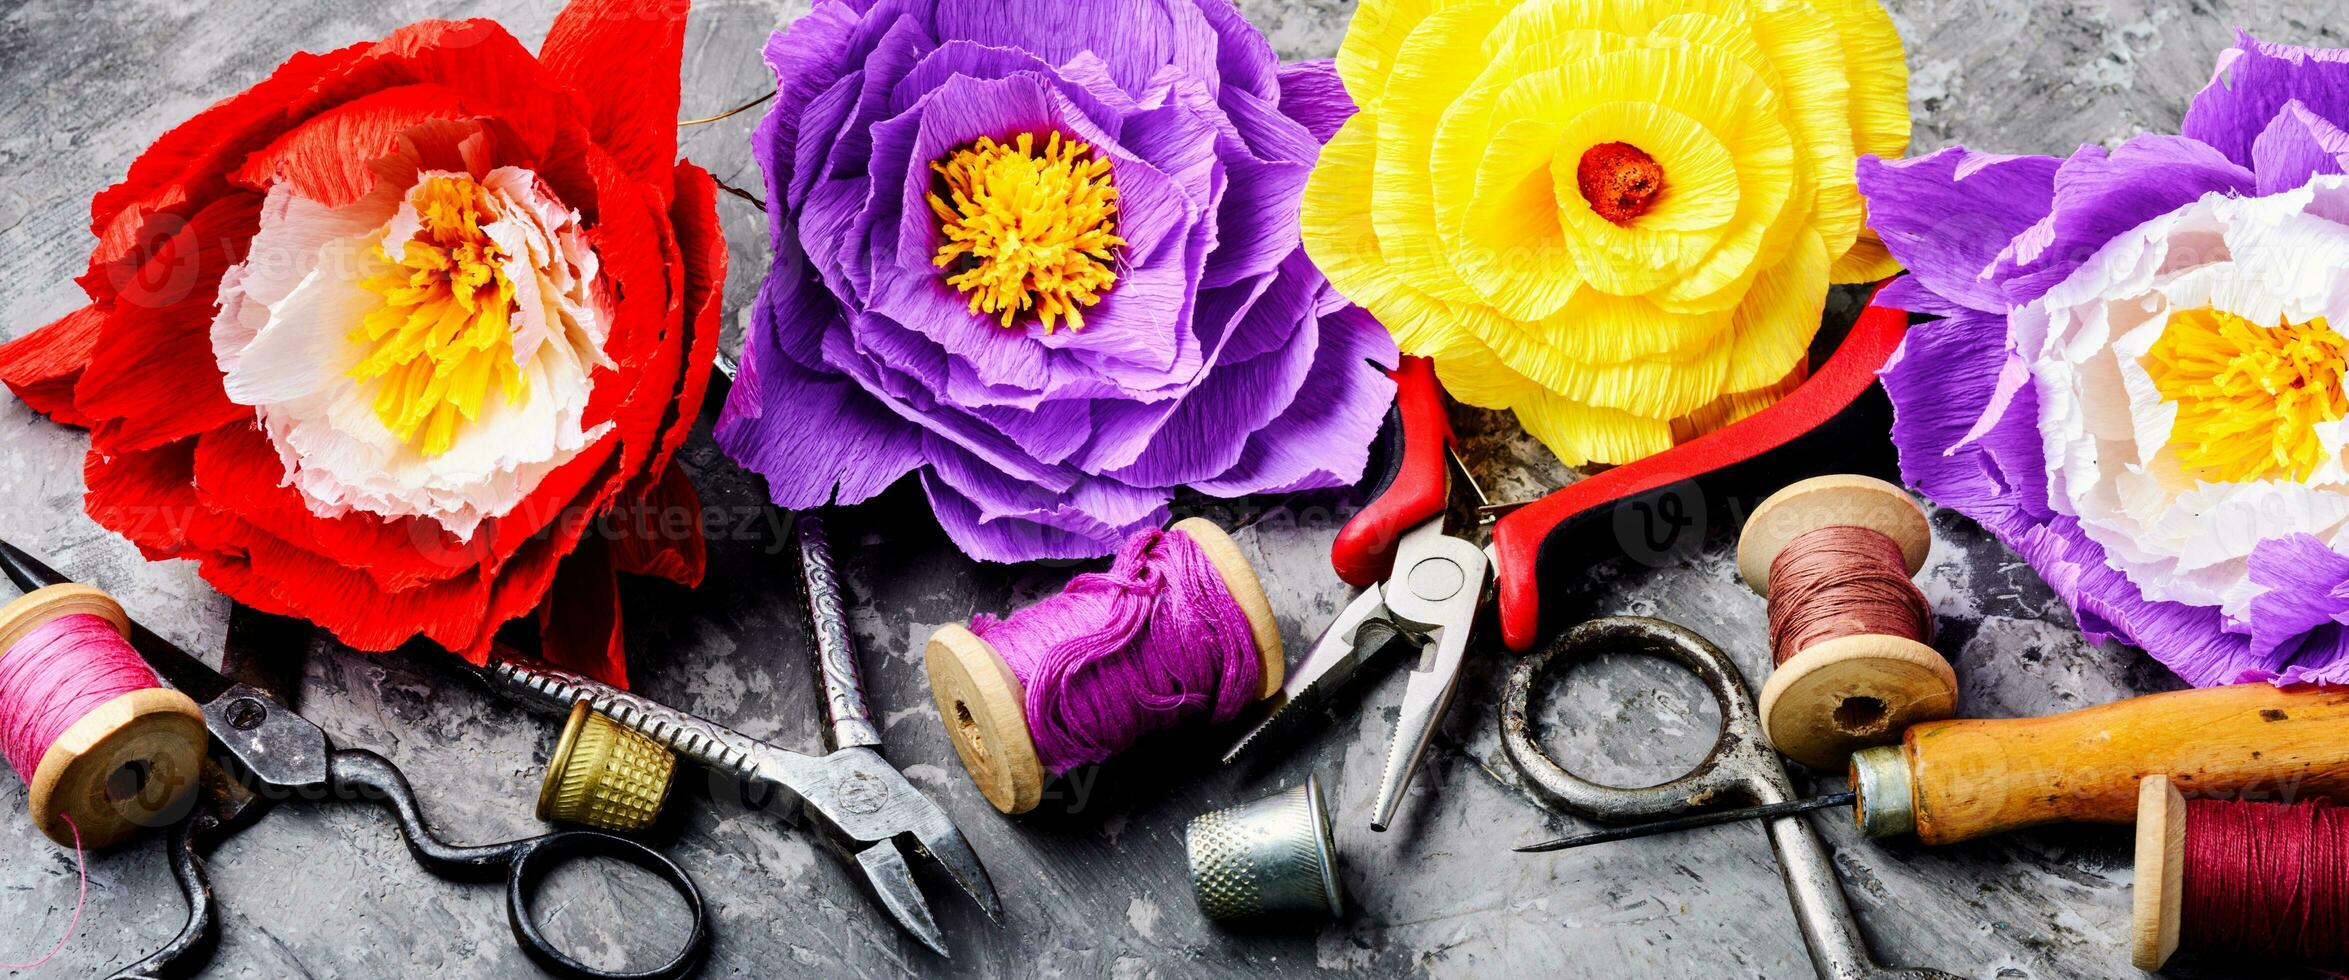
(1272, 857)
(604, 775)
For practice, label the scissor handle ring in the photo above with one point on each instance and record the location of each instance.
(535, 859)
(1737, 770)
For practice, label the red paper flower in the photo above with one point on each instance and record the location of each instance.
(403, 339)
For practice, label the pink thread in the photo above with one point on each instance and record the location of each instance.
(59, 673)
(1152, 642)
(81, 866)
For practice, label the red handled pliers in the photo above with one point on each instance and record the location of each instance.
(1426, 586)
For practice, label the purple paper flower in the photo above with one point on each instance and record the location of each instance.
(1046, 255)
(2137, 383)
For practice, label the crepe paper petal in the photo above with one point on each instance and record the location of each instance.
(1312, 94)
(198, 368)
(992, 518)
(627, 52)
(1947, 214)
(1034, 440)
(1316, 446)
(817, 439)
(2099, 195)
(43, 367)
(2251, 85)
(2296, 148)
(1496, 201)
(579, 621)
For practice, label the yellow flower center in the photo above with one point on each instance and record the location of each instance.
(444, 334)
(1028, 230)
(2249, 397)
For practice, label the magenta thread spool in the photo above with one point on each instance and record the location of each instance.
(2268, 881)
(1177, 630)
(105, 749)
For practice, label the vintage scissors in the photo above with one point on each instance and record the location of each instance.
(1742, 769)
(1423, 586)
(267, 754)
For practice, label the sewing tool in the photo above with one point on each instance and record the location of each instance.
(277, 755)
(1849, 630)
(1423, 586)
(1950, 781)
(104, 748)
(605, 776)
(1268, 857)
(867, 808)
(2266, 880)
(1178, 629)
(1957, 780)
(1740, 769)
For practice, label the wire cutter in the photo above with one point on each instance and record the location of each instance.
(1423, 587)
(265, 754)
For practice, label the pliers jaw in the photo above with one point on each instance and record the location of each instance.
(1430, 600)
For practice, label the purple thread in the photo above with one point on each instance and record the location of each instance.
(1154, 641)
(59, 673)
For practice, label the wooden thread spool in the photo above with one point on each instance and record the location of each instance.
(985, 708)
(2158, 898)
(128, 766)
(1827, 700)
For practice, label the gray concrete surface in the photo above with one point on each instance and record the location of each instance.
(1094, 882)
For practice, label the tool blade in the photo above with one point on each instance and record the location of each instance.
(27, 571)
(945, 843)
(1763, 812)
(893, 883)
(1359, 634)
(1425, 699)
(267, 652)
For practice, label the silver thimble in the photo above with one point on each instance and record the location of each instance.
(1265, 858)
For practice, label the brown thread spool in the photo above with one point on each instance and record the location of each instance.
(127, 766)
(1855, 669)
(2162, 895)
(985, 708)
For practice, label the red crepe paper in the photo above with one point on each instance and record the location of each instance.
(183, 472)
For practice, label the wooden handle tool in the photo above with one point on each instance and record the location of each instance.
(1950, 781)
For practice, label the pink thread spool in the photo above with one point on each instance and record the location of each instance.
(1854, 682)
(984, 705)
(126, 751)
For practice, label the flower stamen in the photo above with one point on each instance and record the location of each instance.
(1028, 230)
(443, 336)
(1619, 180)
(2249, 397)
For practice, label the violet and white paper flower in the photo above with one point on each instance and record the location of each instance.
(1046, 255)
(2138, 382)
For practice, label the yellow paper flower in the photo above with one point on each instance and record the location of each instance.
(1617, 218)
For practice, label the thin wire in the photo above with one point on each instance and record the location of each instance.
(755, 200)
(737, 110)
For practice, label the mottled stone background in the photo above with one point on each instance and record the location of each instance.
(1094, 883)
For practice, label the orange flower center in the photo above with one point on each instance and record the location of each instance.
(1621, 181)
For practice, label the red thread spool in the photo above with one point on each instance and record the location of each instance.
(1849, 629)
(106, 745)
(2264, 880)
